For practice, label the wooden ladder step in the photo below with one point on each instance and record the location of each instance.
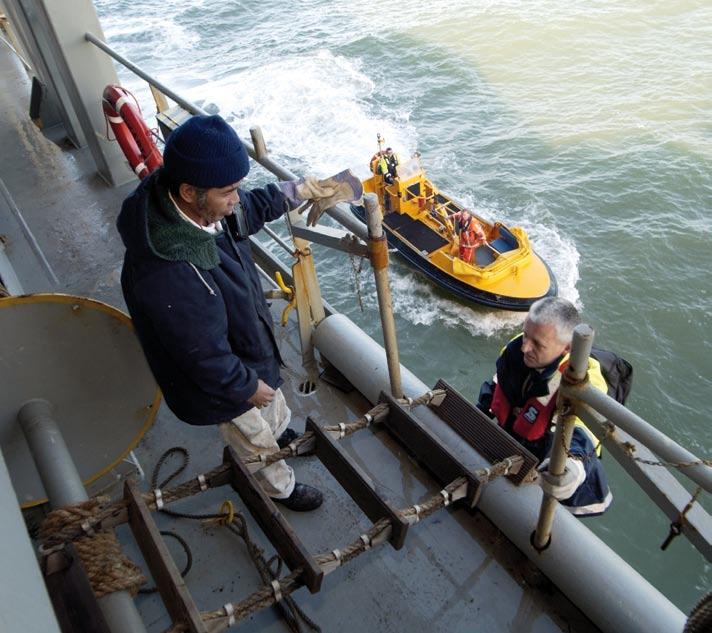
(283, 538)
(429, 449)
(170, 584)
(359, 486)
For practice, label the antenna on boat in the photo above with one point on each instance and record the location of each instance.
(381, 140)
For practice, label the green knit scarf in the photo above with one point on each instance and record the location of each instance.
(174, 239)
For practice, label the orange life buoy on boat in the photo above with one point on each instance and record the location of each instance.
(131, 130)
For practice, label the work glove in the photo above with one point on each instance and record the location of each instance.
(563, 486)
(319, 195)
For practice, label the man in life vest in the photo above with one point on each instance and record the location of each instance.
(471, 235)
(387, 165)
(392, 161)
(522, 399)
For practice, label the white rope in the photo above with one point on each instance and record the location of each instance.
(337, 555)
(88, 528)
(230, 613)
(277, 590)
(203, 483)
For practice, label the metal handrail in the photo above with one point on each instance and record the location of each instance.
(340, 213)
(278, 239)
(664, 447)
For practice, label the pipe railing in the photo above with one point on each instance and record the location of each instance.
(575, 371)
(289, 249)
(665, 448)
(583, 398)
(669, 451)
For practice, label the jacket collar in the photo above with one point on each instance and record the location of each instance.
(170, 236)
(519, 382)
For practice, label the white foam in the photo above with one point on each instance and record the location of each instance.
(319, 114)
(415, 299)
(412, 293)
(314, 110)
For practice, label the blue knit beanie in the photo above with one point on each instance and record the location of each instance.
(205, 152)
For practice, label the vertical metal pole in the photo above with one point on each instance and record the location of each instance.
(378, 251)
(159, 99)
(575, 372)
(64, 487)
(258, 142)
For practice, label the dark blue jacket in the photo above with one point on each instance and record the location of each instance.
(197, 303)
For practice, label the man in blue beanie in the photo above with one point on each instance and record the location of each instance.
(195, 297)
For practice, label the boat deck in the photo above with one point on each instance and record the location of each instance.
(456, 572)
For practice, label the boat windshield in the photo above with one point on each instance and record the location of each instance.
(410, 168)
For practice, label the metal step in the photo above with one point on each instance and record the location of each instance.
(480, 432)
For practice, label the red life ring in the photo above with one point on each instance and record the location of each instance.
(130, 130)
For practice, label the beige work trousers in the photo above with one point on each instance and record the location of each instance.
(256, 431)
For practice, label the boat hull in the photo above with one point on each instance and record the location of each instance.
(454, 285)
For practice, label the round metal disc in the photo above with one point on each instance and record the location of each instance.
(83, 356)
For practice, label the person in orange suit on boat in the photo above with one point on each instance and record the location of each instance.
(471, 235)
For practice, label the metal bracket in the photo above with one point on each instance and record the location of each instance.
(337, 239)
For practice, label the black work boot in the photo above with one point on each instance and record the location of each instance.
(303, 498)
(287, 437)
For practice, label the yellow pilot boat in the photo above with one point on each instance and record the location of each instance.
(501, 271)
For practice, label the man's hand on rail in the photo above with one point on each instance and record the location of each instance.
(319, 195)
(563, 486)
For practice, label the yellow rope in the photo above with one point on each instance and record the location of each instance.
(229, 511)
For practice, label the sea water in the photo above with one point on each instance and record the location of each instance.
(588, 123)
